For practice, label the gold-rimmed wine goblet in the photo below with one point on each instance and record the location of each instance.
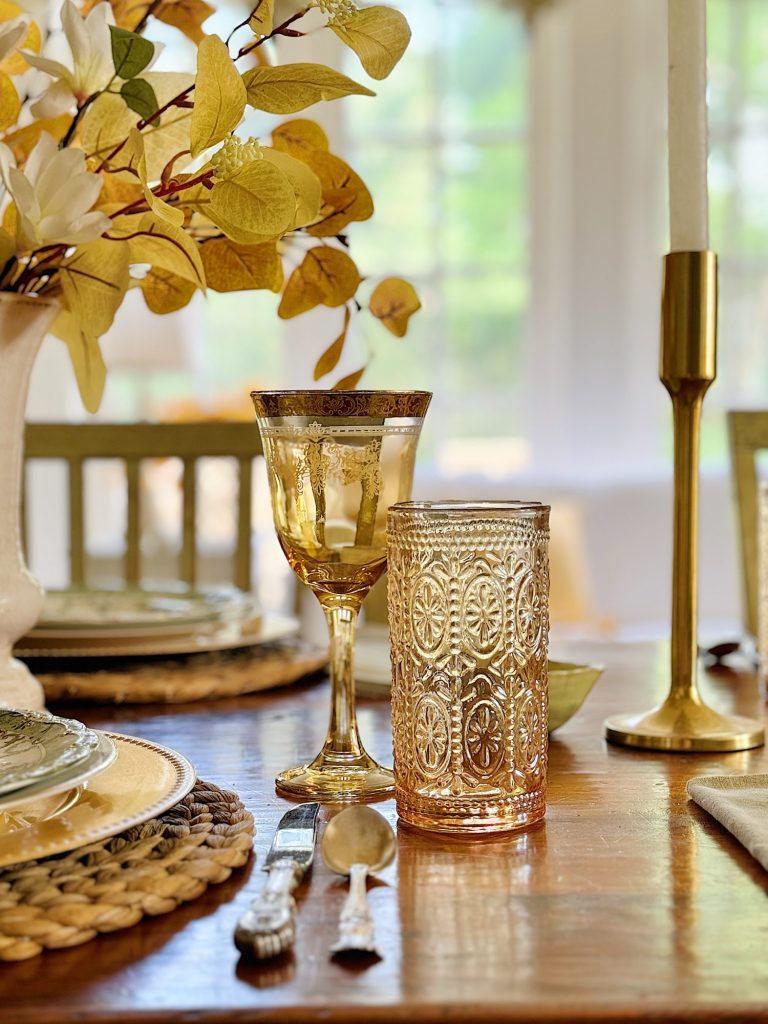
(336, 461)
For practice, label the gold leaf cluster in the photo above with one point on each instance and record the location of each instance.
(184, 203)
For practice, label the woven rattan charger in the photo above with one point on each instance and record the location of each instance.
(147, 870)
(178, 679)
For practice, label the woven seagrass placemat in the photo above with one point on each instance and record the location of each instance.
(147, 870)
(175, 680)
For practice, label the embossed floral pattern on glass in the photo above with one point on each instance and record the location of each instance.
(468, 612)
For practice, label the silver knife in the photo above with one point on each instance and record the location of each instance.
(268, 927)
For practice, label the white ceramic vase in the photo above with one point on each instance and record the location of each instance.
(24, 322)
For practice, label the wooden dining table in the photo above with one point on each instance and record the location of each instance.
(628, 903)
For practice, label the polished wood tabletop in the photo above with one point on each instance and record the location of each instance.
(628, 903)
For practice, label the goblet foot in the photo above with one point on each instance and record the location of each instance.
(331, 778)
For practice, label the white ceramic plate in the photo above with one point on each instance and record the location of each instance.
(227, 636)
(101, 614)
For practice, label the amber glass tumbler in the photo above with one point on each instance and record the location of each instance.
(469, 624)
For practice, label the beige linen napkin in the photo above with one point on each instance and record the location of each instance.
(740, 804)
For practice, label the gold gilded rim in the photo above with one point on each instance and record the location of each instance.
(144, 781)
(411, 512)
(341, 403)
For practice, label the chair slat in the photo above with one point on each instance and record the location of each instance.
(133, 523)
(243, 548)
(188, 561)
(75, 443)
(76, 526)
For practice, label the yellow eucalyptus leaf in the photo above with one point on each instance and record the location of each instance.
(10, 102)
(299, 296)
(134, 158)
(350, 382)
(108, 121)
(378, 35)
(292, 87)
(232, 267)
(128, 13)
(166, 247)
(9, 10)
(262, 18)
(299, 137)
(394, 302)
(305, 184)
(333, 273)
(117, 193)
(94, 281)
(23, 140)
(345, 196)
(165, 292)
(254, 205)
(185, 15)
(85, 356)
(330, 358)
(219, 95)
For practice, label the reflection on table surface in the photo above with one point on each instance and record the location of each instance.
(627, 899)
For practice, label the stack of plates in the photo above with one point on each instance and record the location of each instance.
(63, 785)
(102, 623)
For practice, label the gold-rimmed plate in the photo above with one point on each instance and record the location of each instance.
(225, 636)
(145, 780)
(86, 614)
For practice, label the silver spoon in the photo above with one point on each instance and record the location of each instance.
(357, 841)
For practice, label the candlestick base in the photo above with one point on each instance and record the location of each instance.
(684, 723)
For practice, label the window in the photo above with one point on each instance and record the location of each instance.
(444, 149)
(738, 183)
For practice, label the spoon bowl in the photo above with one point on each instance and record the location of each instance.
(358, 835)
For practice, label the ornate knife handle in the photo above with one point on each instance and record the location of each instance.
(268, 927)
(356, 932)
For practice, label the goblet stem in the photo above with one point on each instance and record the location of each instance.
(343, 770)
(343, 738)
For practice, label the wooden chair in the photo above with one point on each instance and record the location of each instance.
(134, 443)
(748, 435)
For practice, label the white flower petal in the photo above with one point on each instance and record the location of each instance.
(23, 194)
(58, 168)
(83, 229)
(74, 197)
(11, 35)
(41, 156)
(7, 161)
(57, 99)
(74, 29)
(51, 67)
(91, 44)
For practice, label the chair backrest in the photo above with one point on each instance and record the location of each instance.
(76, 443)
(748, 434)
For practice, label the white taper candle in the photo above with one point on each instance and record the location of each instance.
(687, 125)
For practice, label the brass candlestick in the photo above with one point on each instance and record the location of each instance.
(688, 364)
